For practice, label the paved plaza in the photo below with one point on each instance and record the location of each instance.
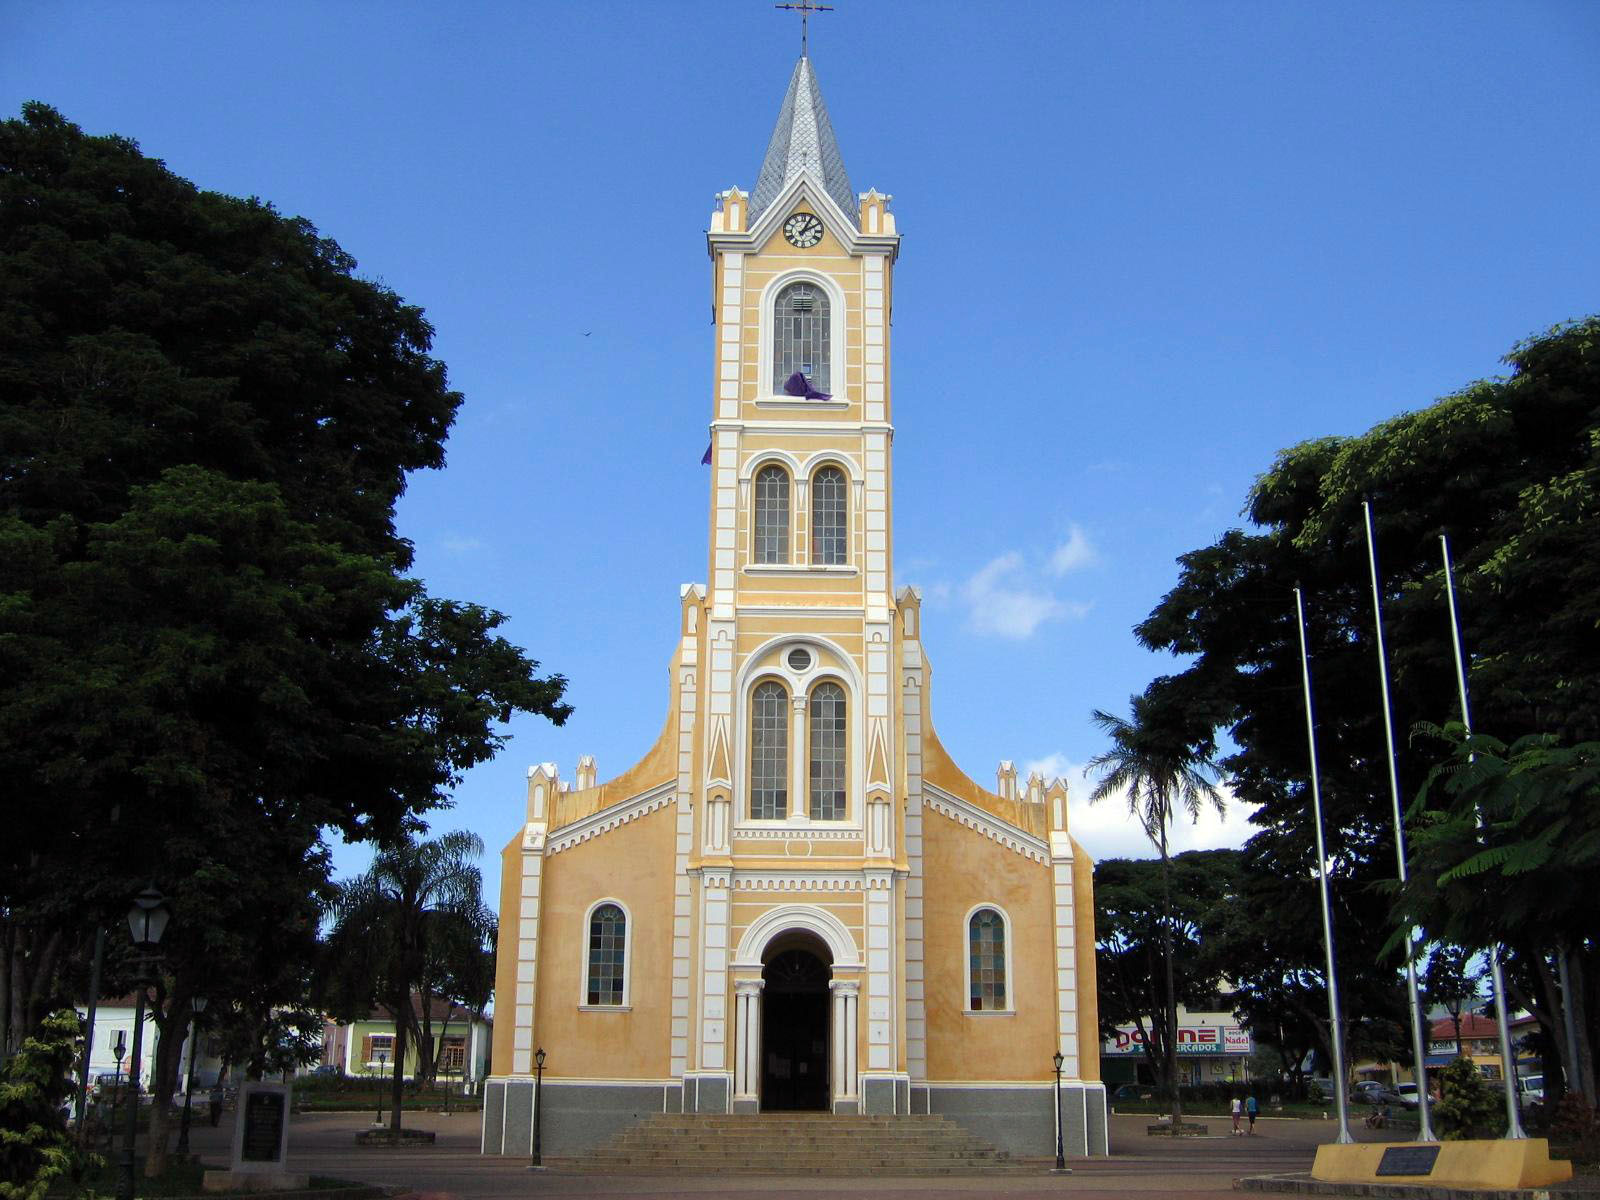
(324, 1144)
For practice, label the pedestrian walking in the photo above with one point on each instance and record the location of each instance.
(1238, 1111)
(1252, 1109)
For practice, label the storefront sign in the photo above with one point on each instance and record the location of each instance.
(1192, 1040)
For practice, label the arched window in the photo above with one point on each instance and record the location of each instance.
(829, 512)
(772, 515)
(608, 953)
(827, 752)
(986, 967)
(800, 336)
(769, 752)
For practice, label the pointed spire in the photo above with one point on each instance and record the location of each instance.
(803, 143)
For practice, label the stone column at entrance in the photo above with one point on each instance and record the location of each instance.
(747, 1034)
(845, 1095)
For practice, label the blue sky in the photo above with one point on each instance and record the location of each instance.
(1144, 247)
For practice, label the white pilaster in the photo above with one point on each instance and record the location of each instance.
(844, 993)
(747, 1082)
(1066, 952)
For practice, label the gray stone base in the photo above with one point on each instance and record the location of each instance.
(1019, 1119)
(577, 1116)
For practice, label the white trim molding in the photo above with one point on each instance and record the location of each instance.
(996, 829)
(611, 817)
(841, 945)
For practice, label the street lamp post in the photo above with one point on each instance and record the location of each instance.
(378, 1116)
(118, 1050)
(199, 1006)
(538, 1105)
(1061, 1150)
(147, 921)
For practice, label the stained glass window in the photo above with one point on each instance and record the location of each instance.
(608, 944)
(800, 336)
(829, 508)
(986, 944)
(769, 752)
(827, 752)
(772, 515)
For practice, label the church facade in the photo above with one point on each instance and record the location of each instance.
(796, 900)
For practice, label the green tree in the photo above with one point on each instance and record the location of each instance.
(1510, 470)
(1130, 935)
(1154, 766)
(35, 1149)
(210, 650)
(1450, 981)
(1508, 849)
(393, 926)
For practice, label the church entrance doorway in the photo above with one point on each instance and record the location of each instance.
(794, 1025)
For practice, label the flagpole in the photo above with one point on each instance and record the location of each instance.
(1418, 1045)
(1339, 1083)
(1508, 1063)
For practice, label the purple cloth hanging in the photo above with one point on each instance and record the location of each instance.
(798, 385)
(705, 461)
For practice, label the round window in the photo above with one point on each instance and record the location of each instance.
(799, 659)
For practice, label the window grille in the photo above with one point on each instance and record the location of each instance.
(829, 510)
(769, 753)
(454, 1057)
(608, 944)
(987, 947)
(772, 515)
(800, 336)
(827, 752)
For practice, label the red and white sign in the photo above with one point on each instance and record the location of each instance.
(1192, 1039)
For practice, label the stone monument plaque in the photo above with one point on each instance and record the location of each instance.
(1408, 1160)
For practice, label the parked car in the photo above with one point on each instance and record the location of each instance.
(1130, 1092)
(1371, 1091)
(329, 1069)
(1320, 1088)
(1408, 1094)
(1532, 1089)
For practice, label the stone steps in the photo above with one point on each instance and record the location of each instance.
(793, 1144)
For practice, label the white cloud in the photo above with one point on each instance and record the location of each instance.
(1107, 830)
(1009, 599)
(1000, 600)
(457, 544)
(1073, 553)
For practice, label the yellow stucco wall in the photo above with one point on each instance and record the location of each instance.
(964, 869)
(633, 864)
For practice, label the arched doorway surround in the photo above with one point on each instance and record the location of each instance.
(769, 953)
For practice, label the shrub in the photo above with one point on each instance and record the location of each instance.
(1575, 1128)
(35, 1148)
(1467, 1107)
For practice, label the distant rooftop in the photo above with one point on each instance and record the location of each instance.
(803, 143)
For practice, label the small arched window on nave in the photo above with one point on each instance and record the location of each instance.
(986, 968)
(800, 336)
(608, 953)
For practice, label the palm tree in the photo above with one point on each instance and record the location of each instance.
(1156, 768)
(389, 924)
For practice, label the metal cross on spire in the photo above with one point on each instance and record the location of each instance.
(805, 8)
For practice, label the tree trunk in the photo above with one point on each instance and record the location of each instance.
(1583, 1052)
(398, 1086)
(1172, 990)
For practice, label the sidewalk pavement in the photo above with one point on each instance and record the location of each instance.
(452, 1168)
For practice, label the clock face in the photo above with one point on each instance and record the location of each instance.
(803, 229)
